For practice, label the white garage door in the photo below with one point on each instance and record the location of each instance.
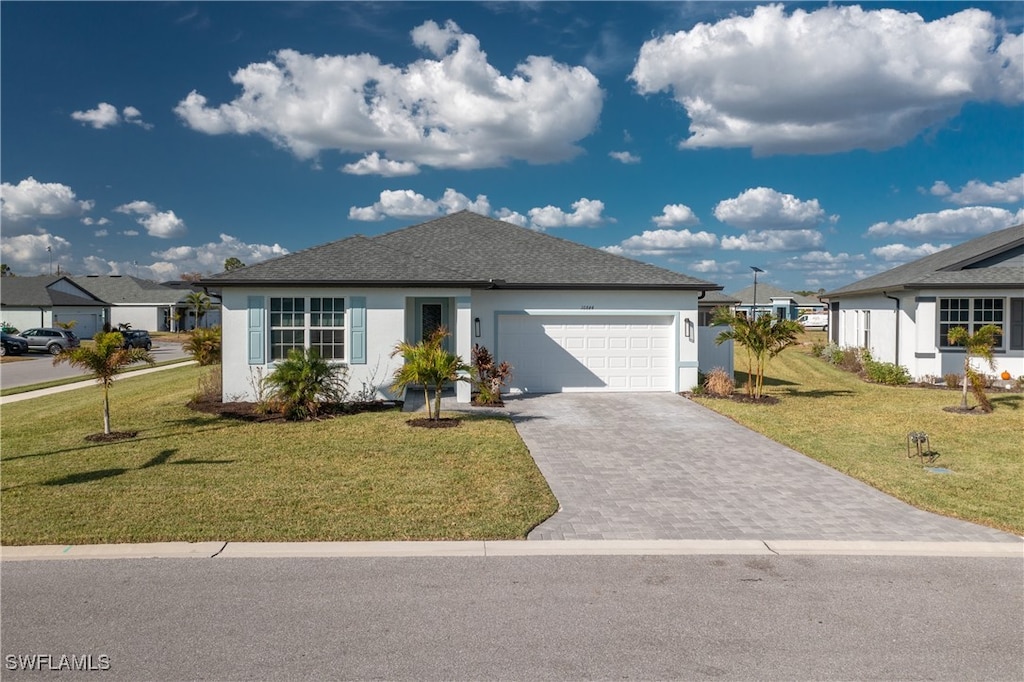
(561, 353)
(86, 324)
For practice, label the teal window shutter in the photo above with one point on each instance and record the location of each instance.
(357, 330)
(257, 335)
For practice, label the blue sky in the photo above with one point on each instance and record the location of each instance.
(821, 143)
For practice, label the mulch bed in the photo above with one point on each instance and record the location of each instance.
(737, 398)
(252, 412)
(961, 410)
(442, 423)
(111, 437)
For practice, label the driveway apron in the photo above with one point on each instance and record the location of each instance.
(651, 466)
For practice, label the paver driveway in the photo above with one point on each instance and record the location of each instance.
(646, 466)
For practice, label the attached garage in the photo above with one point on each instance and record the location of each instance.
(588, 353)
(87, 323)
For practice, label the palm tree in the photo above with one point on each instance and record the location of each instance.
(977, 345)
(428, 364)
(200, 303)
(762, 339)
(104, 359)
(304, 382)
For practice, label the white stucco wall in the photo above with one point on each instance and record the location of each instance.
(26, 318)
(919, 332)
(389, 319)
(142, 317)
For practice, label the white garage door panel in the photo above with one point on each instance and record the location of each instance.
(566, 353)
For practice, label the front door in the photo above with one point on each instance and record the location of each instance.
(432, 313)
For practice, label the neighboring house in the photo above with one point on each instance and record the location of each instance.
(46, 300)
(141, 303)
(772, 300)
(567, 317)
(904, 315)
(186, 314)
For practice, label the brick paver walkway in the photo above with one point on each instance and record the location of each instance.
(645, 466)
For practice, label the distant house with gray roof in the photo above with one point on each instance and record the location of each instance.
(46, 300)
(566, 316)
(904, 315)
(141, 303)
(771, 300)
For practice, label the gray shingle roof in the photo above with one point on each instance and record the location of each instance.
(949, 267)
(463, 249)
(118, 289)
(718, 298)
(32, 292)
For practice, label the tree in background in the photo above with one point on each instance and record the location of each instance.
(5, 270)
(104, 358)
(200, 303)
(980, 345)
(233, 264)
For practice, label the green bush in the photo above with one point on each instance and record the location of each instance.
(887, 373)
(302, 384)
(204, 345)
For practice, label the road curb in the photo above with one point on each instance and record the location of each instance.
(509, 548)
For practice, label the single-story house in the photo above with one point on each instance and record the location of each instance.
(771, 300)
(567, 317)
(904, 315)
(141, 303)
(46, 300)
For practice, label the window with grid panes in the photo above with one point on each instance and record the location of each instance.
(287, 326)
(971, 314)
(327, 327)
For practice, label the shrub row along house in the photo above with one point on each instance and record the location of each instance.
(904, 315)
(567, 317)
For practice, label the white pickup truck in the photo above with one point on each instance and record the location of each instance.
(819, 320)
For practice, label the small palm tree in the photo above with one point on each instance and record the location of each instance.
(762, 339)
(304, 382)
(105, 358)
(977, 345)
(200, 303)
(430, 365)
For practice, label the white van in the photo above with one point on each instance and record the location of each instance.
(819, 320)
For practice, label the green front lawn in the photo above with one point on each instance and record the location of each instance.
(861, 429)
(193, 476)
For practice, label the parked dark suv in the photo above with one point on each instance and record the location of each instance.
(137, 339)
(13, 345)
(50, 339)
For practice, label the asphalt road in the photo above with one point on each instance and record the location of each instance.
(36, 367)
(523, 618)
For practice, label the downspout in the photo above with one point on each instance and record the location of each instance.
(897, 325)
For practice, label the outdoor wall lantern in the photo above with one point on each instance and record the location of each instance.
(688, 328)
(476, 327)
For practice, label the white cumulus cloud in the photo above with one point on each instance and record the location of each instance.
(210, 257)
(405, 203)
(952, 222)
(162, 224)
(585, 213)
(453, 111)
(34, 200)
(663, 242)
(373, 164)
(510, 216)
(902, 253)
(675, 214)
(28, 251)
(766, 209)
(830, 80)
(105, 115)
(774, 240)
(625, 157)
(977, 192)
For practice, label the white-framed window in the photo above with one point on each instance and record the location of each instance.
(327, 327)
(316, 322)
(971, 314)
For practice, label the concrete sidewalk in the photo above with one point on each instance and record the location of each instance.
(508, 548)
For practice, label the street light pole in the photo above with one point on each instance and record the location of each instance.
(49, 252)
(753, 309)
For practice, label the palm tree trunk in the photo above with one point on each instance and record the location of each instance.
(967, 378)
(426, 401)
(437, 401)
(106, 411)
